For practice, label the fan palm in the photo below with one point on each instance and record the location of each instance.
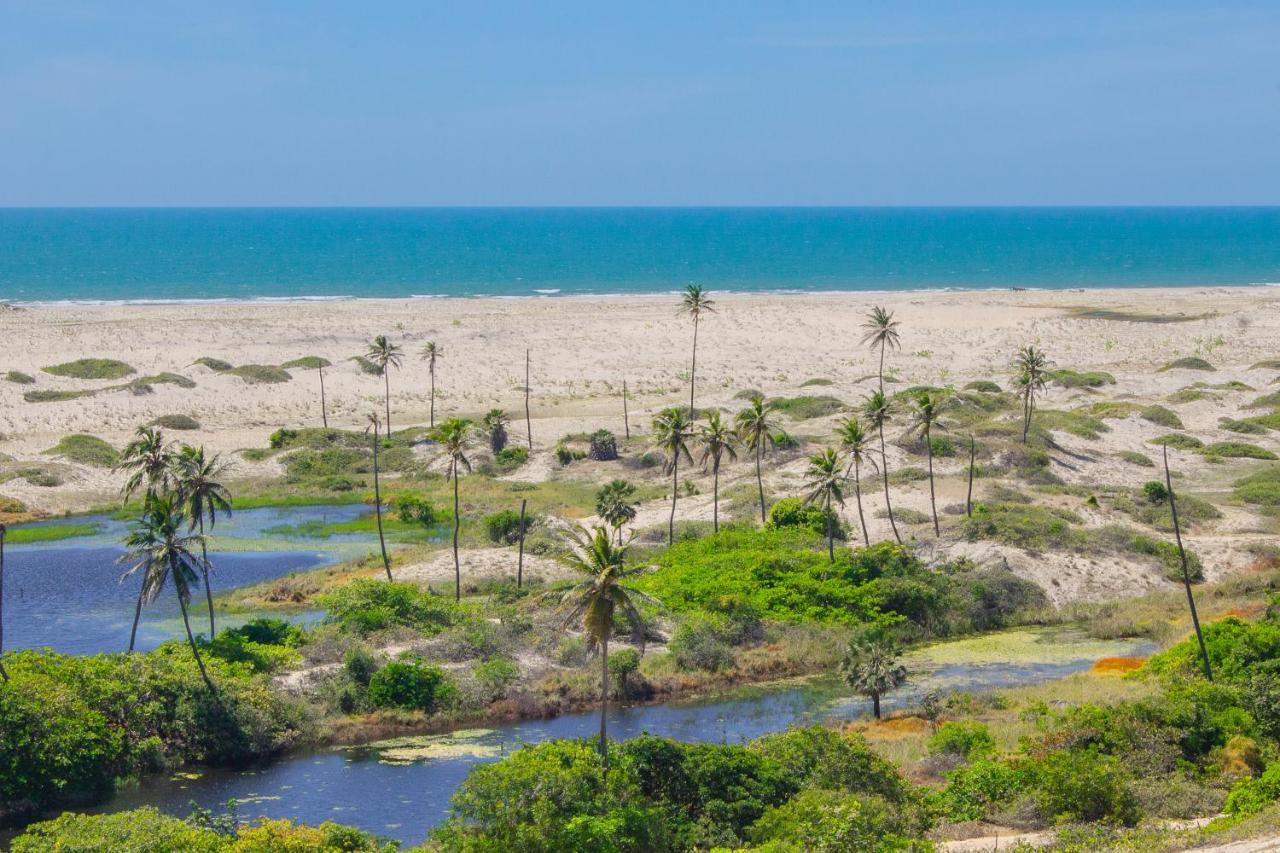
(671, 433)
(454, 436)
(882, 333)
(718, 441)
(872, 668)
(495, 425)
(924, 412)
(1031, 373)
(616, 505)
(161, 553)
(149, 461)
(372, 429)
(431, 352)
(824, 486)
(386, 355)
(694, 303)
(602, 594)
(755, 428)
(196, 478)
(876, 411)
(854, 441)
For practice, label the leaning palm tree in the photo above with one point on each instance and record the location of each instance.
(200, 492)
(924, 413)
(719, 441)
(3, 675)
(694, 303)
(597, 599)
(616, 505)
(372, 429)
(161, 553)
(495, 425)
(882, 333)
(148, 459)
(824, 486)
(755, 429)
(386, 355)
(854, 442)
(876, 411)
(1031, 373)
(430, 352)
(871, 667)
(454, 436)
(671, 433)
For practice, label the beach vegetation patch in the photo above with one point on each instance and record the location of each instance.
(261, 374)
(807, 407)
(307, 362)
(19, 378)
(1137, 316)
(816, 381)
(217, 365)
(91, 368)
(1179, 441)
(1030, 526)
(1191, 394)
(749, 394)
(1237, 450)
(1113, 409)
(366, 365)
(47, 395)
(1133, 457)
(51, 532)
(179, 422)
(85, 449)
(1266, 401)
(1075, 422)
(1160, 416)
(1261, 488)
(165, 379)
(1152, 508)
(983, 386)
(1190, 362)
(1266, 364)
(1248, 426)
(1068, 378)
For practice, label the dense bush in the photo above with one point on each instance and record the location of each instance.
(1074, 786)
(368, 605)
(796, 513)
(702, 643)
(414, 510)
(511, 457)
(968, 739)
(603, 446)
(1235, 648)
(412, 685)
(975, 790)
(266, 645)
(503, 527)
(495, 675)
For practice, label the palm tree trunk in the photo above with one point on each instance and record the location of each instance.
(457, 565)
(933, 502)
(693, 368)
(377, 508)
(831, 535)
(204, 570)
(626, 419)
(857, 494)
(882, 365)
(604, 701)
(528, 421)
(324, 412)
(432, 371)
(520, 559)
(759, 481)
(1026, 415)
(3, 674)
(884, 469)
(675, 483)
(968, 498)
(1186, 574)
(192, 640)
(875, 704)
(715, 497)
(137, 615)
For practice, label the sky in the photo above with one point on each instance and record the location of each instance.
(890, 102)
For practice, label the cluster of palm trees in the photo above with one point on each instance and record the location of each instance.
(167, 546)
(385, 355)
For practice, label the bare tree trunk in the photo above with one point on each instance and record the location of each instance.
(831, 533)
(933, 502)
(675, 483)
(715, 496)
(520, 559)
(968, 499)
(882, 365)
(527, 419)
(626, 419)
(1186, 574)
(3, 674)
(884, 469)
(204, 570)
(432, 371)
(324, 411)
(457, 521)
(759, 482)
(386, 379)
(693, 368)
(1026, 415)
(192, 640)
(137, 615)
(604, 700)
(377, 508)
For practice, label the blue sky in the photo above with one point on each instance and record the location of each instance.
(656, 103)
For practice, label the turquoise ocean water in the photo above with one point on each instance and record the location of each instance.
(240, 254)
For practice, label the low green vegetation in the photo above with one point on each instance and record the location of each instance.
(85, 450)
(91, 368)
(51, 396)
(1266, 401)
(1160, 416)
(1188, 363)
(1133, 457)
(51, 532)
(307, 362)
(807, 407)
(261, 374)
(815, 382)
(983, 386)
(217, 365)
(1068, 378)
(178, 422)
(1237, 450)
(1261, 488)
(17, 377)
(165, 379)
(1179, 441)
(1248, 426)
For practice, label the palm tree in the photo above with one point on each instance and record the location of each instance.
(149, 461)
(495, 427)
(882, 333)
(718, 441)
(872, 668)
(854, 441)
(925, 406)
(3, 675)
(454, 436)
(196, 478)
(824, 484)
(616, 506)
(372, 429)
(1031, 368)
(386, 355)
(755, 428)
(1186, 574)
(161, 553)
(671, 433)
(876, 411)
(430, 352)
(695, 303)
(597, 599)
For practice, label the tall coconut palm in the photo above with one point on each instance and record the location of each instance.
(431, 352)
(372, 430)
(872, 668)
(1186, 573)
(148, 459)
(597, 599)
(386, 355)
(3, 675)
(924, 413)
(197, 481)
(755, 428)
(671, 433)
(854, 441)
(454, 436)
(881, 334)
(162, 552)
(616, 505)
(694, 303)
(824, 486)
(1031, 374)
(876, 411)
(495, 425)
(719, 441)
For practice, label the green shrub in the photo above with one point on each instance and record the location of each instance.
(1238, 450)
(604, 446)
(260, 374)
(1249, 426)
(85, 450)
(307, 464)
(165, 378)
(412, 685)
(282, 437)
(623, 663)
(1074, 786)
(807, 407)
(142, 830)
(1179, 441)
(503, 527)
(701, 643)
(511, 457)
(1260, 488)
(1235, 647)
(1160, 416)
(366, 366)
(1170, 559)
(1155, 492)
(795, 512)
(1253, 795)
(977, 789)
(1081, 379)
(19, 378)
(307, 362)
(359, 664)
(1267, 401)
(91, 368)
(1188, 363)
(968, 739)
(1029, 526)
(179, 422)
(1135, 458)
(368, 605)
(831, 821)
(265, 645)
(414, 510)
(217, 365)
(51, 396)
(817, 381)
(983, 386)
(495, 676)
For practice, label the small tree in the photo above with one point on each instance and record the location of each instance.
(495, 425)
(671, 433)
(372, 429)
(616, 505)
(604, 446)
(872, 667)
(755, 429)
(386, 355)
(824, 486)
(454, 436)
(718, 441)
(1031, 373)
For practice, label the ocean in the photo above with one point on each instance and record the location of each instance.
(121, 255)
